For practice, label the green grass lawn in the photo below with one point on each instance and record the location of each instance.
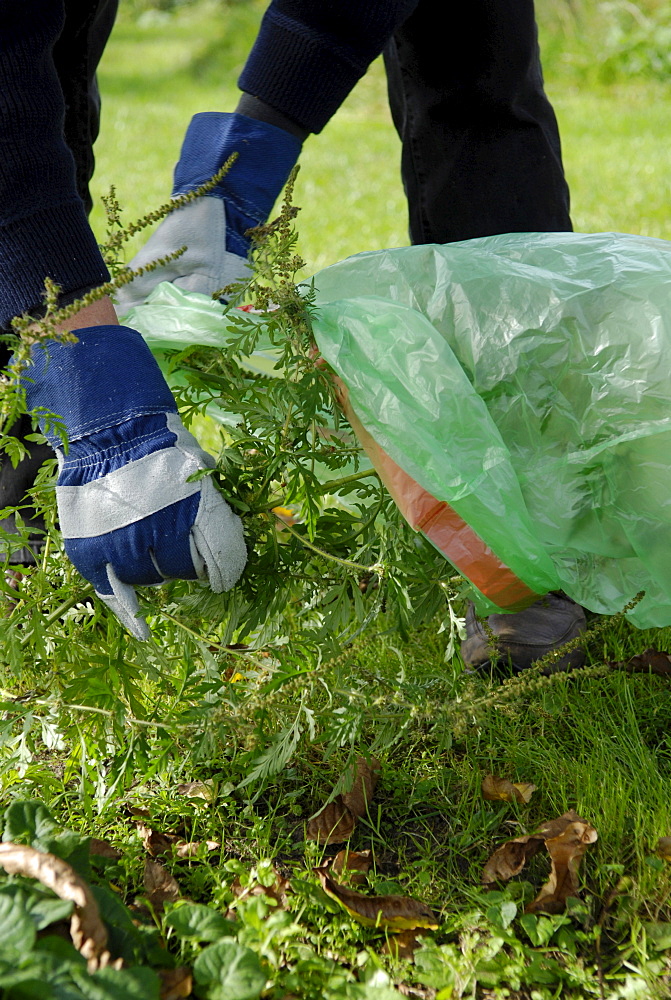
(104, 726)
(159, 72)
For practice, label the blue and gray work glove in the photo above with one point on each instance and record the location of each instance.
(128, 514)
(213, 227)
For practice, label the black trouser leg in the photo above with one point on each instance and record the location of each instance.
(76, 56)
(481, 152)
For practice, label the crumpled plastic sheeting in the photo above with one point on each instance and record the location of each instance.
(525, 380)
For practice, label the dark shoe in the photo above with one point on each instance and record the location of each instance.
(527, 636)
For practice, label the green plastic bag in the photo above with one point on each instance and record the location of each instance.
(523, 380)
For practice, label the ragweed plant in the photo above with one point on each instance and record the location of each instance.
(329, 553)
(330, 559)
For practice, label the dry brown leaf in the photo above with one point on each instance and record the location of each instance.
(205, 790)
(510, 858)
(137, 812)
(277, 891)
(554, 827)
(390, 912)
(650, 661)
(87, 930)
(663, 848)
(566, 838)
(356, 863)
(103, 849)
(332, 825)
(190, 849)
(154, 842)
(366, 773)
(175, 983)
(335, 823)
(159, 885)
(500, 789)
(159, 844)
(566, 852)
(402, 945)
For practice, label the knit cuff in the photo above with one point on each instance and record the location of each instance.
(302, 76)
(55, 242)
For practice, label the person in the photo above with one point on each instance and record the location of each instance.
(480, 156)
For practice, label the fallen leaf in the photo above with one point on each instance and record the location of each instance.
(500, 789)
(159, 885)
(175, 983)
(402, 945)
(366, 773)
(277, 891)
(566, 838)
(137, 812)
(663, 848)
(566, 852)
(335, 823)
(103, 849)
(650, 661)
(510, 858)
(87, 930)
(154, 842)
(332, 825)
(554, 827)
(388, 912)
(357, 863)
(205, 790)
(192, 848)
(159, 844)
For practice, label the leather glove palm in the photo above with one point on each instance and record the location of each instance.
(213, 227)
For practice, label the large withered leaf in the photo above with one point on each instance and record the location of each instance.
(335, 823)
(566, 838)
(277, 891)
(366, 773)
(389, 912)
(354, 863)
(155, 842)
(650, 661)
(501, 789)
(554, 827)
(87, 930)
(158, 844)
(566, 851)
(332, 825)
(510, 858)
(159, 885)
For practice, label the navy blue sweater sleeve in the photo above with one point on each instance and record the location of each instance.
(43, 226)
(309, 53)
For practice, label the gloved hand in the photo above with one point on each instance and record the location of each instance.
(127, 513)
(213, 227)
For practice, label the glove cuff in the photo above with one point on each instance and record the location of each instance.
(109, 376)
(266, 155)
